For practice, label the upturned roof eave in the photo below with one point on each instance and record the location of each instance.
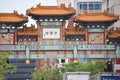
(95, 20)
(33, 14)
(23, 21)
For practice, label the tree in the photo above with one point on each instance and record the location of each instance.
(92, 67)
(5, 67)
(46, 73)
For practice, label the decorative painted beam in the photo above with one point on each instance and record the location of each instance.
(118, 51)
(62, 56)
(56, 47)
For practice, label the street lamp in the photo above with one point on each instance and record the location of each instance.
(27, 61)
(75, 60)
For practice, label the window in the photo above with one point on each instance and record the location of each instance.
(85, 6)
(62, 60)
(97, 6)
(91, 6)
(80, 6)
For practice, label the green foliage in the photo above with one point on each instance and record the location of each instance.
(47, 74)
(92, 67)
(5, 67)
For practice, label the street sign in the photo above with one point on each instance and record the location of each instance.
(76, 76)
(110, 77)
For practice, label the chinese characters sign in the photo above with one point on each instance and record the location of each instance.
(51, 33)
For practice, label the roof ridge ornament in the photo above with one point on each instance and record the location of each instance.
(39, 5)
(15, 12)
(22, 15)
(62, 5)
(69, 6)
(85, 11)
(100, 17)
(105, 12)
(110, 14)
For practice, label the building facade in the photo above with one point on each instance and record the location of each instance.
(52, 43)
(83, 5)
(88, 5)
(113, 6)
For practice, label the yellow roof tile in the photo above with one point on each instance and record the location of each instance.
(50, 10)
(96, 17)
(27, 30)
(114, 33)
(12, 17)
(75, 31)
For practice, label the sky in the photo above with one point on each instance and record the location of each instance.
(8, 6)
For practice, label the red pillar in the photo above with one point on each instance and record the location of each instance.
(86, 36)
(118, 62)
(15, 37)
(39, 30)
(63, 31)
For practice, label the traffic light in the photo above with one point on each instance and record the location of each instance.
(109, 66)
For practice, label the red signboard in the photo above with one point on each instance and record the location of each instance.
(118, 62)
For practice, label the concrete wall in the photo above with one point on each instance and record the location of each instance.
(113, 7)
(117, 9)
(111, 3)
(117, 1)
(104, 5)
